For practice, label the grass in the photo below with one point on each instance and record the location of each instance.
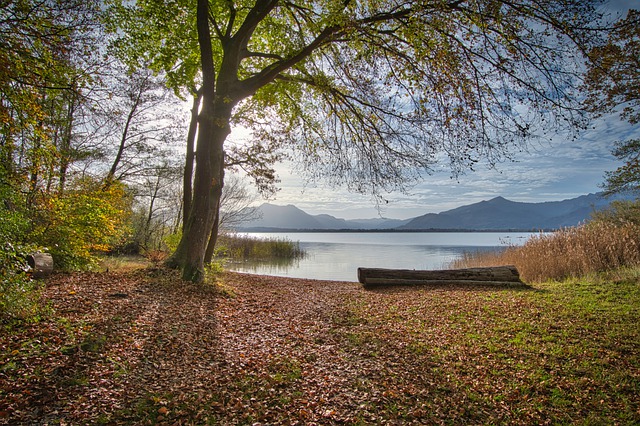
(122, 263)
(566, 352)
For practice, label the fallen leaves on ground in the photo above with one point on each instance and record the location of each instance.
(144, 347)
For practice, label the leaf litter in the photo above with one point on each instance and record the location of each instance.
(144, 347)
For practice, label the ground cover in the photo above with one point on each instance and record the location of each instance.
(142, 347)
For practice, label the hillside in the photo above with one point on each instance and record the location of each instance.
(495, 214)
(500, 213)
(289, 217)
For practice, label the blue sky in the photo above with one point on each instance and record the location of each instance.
(557, 169)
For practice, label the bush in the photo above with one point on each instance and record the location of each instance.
(242, 247)
(619, 213)
(84, 220)
(19, 295)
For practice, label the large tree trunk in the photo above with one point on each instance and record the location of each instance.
(207, 190)
(213, 129)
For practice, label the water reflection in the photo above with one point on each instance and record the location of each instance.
(276, 266)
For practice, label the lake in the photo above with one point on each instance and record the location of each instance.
(337, 255)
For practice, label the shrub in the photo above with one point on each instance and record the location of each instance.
(575, 252)
(619, 212)
(19, 295)
(572, 252)
(81, 222)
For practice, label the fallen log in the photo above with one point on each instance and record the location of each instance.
(496, 275)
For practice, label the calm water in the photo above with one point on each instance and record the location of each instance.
(337, 255)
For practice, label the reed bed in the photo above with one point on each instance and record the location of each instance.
(568, 253)
(242, 247)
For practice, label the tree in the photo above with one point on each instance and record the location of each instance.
(45, 48)
(236, 203)
(614, 83)
(136, 114)
(157, 208)
(625, 178)
(85, 219)
(371, 94)
(235, 209)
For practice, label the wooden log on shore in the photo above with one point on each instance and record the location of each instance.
(496, 275)
(41, 264)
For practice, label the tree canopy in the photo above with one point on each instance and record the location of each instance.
(69, 113)
(371, 94)
(614, 84)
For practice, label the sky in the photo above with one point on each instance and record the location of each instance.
(554, 170)
(551, 171)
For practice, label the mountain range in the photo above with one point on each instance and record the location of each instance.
(495, 214)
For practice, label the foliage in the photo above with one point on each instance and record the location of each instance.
(19, 294)
(146, 234)
(625, 178)
(614, 85)
(597, 246)
(140, 136)
(402, 84)
(286, 351)
(47, 48)
(71, 115)
(159, 37)
(368, 94)
(82, 221)
(619, 212)
(614, 76)
(171, 241)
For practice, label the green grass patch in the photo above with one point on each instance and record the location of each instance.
(564, 352)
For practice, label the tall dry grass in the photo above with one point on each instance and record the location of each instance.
(572, 252)
(243, 247)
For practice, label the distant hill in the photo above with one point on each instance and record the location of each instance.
(495, 214)
(289, 217)
(502, 214)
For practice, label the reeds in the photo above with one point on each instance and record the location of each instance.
(243, 247)
(572, 252)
